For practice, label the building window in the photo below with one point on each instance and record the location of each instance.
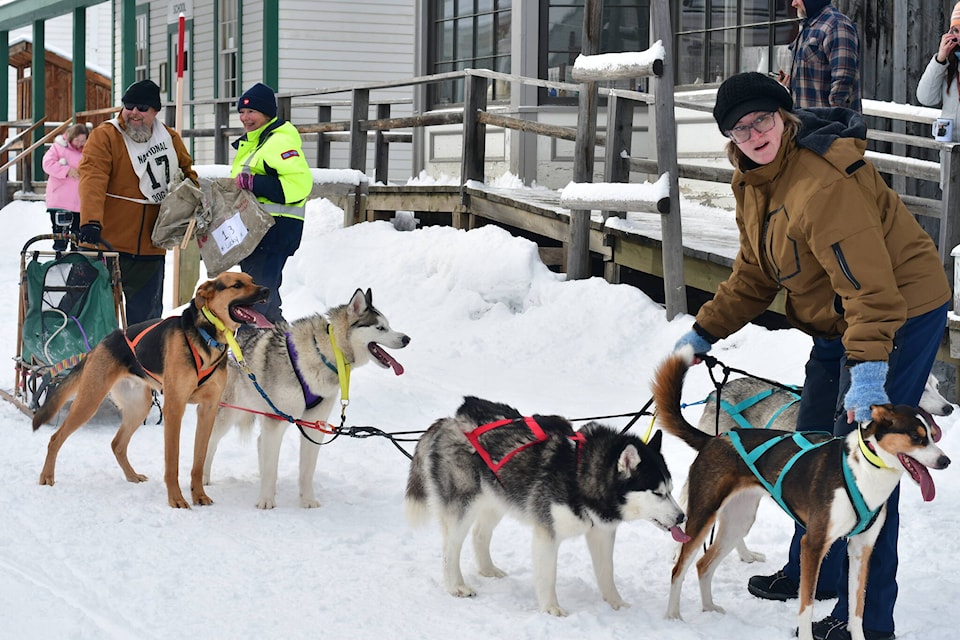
(468, 34)
(714, 39)
(228, 40)
(141, 61)
(625, 27)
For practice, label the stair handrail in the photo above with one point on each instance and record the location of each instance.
(25, 154)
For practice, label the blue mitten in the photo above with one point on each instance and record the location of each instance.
(866, 388)
(700, 344)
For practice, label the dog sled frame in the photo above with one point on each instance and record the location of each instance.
(32, 377)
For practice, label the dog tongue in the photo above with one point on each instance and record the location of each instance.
(385, 358)
(249, 316)
(920, 475)
(679, 534)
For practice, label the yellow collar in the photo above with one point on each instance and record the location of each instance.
(869, 453)
(231, 339)
(343, 370)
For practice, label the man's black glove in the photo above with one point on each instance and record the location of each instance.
(90, 233)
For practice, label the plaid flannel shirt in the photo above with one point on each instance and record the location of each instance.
(826, 62)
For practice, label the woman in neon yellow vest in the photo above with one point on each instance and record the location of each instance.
(270, 164)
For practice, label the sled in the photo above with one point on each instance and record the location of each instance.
(68, 302)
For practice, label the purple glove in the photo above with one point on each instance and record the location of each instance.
(244, 181)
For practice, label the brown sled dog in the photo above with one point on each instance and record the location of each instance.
(184, 356)
(814, 489)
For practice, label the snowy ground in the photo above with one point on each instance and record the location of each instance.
(96, 557)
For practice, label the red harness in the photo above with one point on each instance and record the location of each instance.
(202, 374)
(538, 433)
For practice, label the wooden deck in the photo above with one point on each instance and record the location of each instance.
(633, 241)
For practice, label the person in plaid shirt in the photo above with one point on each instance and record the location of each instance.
(825, 71)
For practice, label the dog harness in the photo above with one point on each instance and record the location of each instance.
(310, 398)
(735, 411)
(202, 374)
(539, 436)
(865, 517)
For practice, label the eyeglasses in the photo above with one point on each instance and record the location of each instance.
(762, 123)
(142, 108)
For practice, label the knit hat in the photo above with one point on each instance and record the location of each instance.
(260, 98)
(745, 93)
(143, 92)
(955, 16)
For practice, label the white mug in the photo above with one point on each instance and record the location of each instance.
(943, 130)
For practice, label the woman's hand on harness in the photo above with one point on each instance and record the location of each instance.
(244, 181)
(866, 389)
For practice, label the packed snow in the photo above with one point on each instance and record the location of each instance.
(97, 557)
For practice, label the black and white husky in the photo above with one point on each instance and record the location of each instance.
(297, 367)
(470, 469)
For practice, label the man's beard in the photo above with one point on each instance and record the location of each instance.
(139, 132)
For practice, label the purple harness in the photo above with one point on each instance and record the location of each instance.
(309, 397)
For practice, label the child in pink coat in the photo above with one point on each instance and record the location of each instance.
(61, 162)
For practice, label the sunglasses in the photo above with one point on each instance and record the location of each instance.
(142, 108)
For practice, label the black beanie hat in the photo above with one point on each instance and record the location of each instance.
(260, 98)
(143, 92)
(745, 93)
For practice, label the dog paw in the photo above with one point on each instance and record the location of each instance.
(462, 591)
(136, 477)
(617, 604)
(266, 503)
(309, 503)
(46, 479)
(492, 572)
(714, 607)
(202, 500)
(752, 556)
(555, 610)
(177, 502)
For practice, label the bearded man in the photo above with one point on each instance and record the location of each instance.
(126, 170)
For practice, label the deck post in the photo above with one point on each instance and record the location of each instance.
(381, 148)
(221, 142)
(616, 159)
(474, 132)
(950, 207)
(674, 287)
(578, 244)
(358, 137)
(324, 114)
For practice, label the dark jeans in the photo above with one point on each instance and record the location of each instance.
(914, 350)
(265, 264)
(142, 286)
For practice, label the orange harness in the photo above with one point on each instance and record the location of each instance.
(202, 374)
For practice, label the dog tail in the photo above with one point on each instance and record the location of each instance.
(416, 501)
(667, 386)
(57, 396)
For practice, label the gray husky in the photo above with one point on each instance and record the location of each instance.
(296, 366)
(750, 402)
(488, 459)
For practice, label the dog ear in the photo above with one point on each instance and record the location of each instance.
(368, 296)
(358, 304)
(655, 440)
(205, 293)
(629, 460)
(881, 412)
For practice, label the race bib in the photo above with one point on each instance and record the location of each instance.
(154, 161)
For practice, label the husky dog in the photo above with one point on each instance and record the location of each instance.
(488, 459)
(835, 487)
(297, 367)
(749, 402)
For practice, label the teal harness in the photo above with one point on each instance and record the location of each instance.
(865, 517)
(735, 411)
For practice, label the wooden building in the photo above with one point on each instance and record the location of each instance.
(59, 85)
